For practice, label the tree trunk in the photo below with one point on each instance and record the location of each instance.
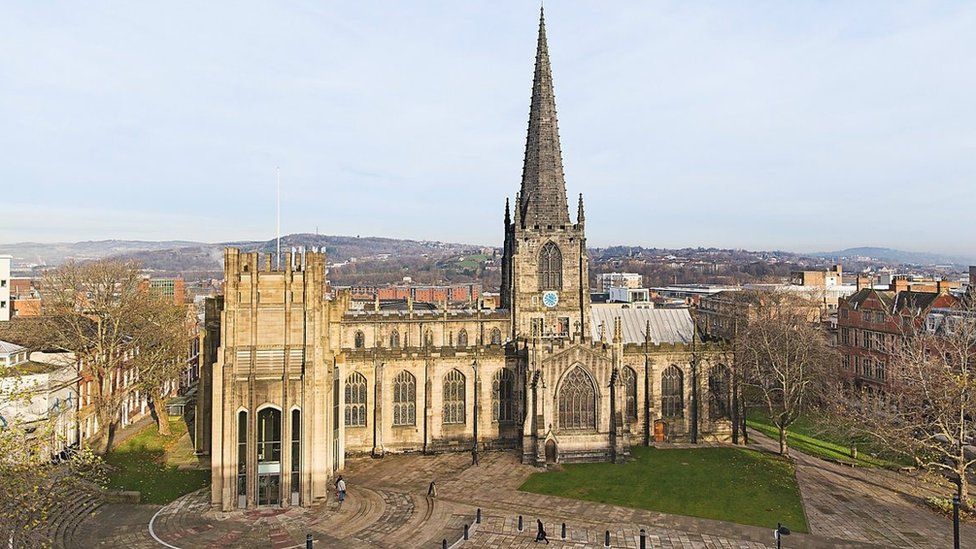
(157, 408)
(962, 485)
(784, 449)
(110, 435)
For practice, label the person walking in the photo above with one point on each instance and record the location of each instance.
(540, 535)
(340, 486)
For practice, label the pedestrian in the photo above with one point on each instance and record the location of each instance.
(474, 455)
(541, 534)
(432, 490)
(340, 486)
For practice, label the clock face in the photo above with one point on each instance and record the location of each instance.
(550, 299)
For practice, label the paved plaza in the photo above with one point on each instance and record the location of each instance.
(388, 506)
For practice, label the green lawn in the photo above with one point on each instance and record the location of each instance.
(730, 484)
(807, 437)
(141, 464)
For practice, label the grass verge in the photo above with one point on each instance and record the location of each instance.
(806, 437)
(730, 484)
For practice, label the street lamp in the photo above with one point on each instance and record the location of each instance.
(779, 533)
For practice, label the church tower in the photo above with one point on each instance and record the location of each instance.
(545, 273)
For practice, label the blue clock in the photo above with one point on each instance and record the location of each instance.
(550, 299)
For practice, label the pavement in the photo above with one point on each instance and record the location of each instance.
(387, 506)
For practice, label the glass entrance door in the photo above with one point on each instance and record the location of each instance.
(269, 457)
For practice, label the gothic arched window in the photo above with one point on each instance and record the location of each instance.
(629, 378)
(718, 391)
(672, 392)
(454, 397)
(577, 401)
(462, 338)
(394, 339)
(503, 396)
(359, 341)
(550, 267)
(496, 336)
(404, 399)
(356, 400)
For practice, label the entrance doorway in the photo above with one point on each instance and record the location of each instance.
(269, 457)
(660, 431)
(550, 451)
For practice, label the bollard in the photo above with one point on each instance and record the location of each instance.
(520, 523)
(477, 517)
(955, 521)
(643, 539)
(308, 541)
(444, 544)
(564, 530)
(606, 539)
(465, 531)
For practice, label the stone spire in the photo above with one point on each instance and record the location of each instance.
(543, 187)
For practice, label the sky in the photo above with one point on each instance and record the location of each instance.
(802, 126)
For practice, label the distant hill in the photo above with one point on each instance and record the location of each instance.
(897, 256)
(37, 253)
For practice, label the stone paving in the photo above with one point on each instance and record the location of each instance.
(387, 506)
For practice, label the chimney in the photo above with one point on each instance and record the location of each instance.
(863, 282)
(899, 284)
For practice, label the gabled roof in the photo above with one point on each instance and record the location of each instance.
(887, 298)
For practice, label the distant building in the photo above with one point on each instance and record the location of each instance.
(821, 279)
(629, 295)
(620, 280)
(5, 287)
(174, 288)
(25, 300)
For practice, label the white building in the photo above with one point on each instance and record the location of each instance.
(5, 305)
(620, 280)
(49, 404)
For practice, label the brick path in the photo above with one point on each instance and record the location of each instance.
(387, 507)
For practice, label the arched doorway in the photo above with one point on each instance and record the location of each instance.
(269, 456)
(551, 451)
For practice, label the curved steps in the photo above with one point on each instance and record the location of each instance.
(63, 522)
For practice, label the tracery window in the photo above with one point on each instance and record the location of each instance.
(503, 396)
(550, 267)
(577, 401)
(404, 399)
(462, 340)
(629, 378)
(718, 391)
(672, 393)
(359, 341)
(453, 397)
(496, 336)
(394, 339)
(356, 400)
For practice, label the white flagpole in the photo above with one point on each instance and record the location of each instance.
(278, 219)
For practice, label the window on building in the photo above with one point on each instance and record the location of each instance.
(462, 340)
(672, 393)
(359, 341)
(718, 391)
(453, 395)
(577, 401)
(629, 378)
(564, 326)
(536, 327)
(269, 456)
(503, 396)
(242, 453)
(496, 336)
(356, 400)
(404, 399)
(394, 339)
(550, 267)
(296, 452)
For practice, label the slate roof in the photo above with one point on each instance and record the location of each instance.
(669, 326)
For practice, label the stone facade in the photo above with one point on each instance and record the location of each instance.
(300, 380)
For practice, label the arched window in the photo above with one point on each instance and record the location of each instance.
(241, 455)
(296, 453)
(718, 391)
(454, 397)
(503, 396)
(404, 399)
(360, 340)
(394, 339)
(269, 456)
(577, 401)
(672, 392)
(356, 400)
(496, 336)
(462, 338)
(629, 379)
(550, 267)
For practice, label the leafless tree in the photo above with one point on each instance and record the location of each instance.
(782, 353)
(926, 408)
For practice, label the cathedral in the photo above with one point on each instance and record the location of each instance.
(296, 379)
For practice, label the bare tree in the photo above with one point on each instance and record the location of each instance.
(926, 409)
(162, 330)
(783, 352)
(102, 313)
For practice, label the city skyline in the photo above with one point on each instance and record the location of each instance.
(683, 127)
